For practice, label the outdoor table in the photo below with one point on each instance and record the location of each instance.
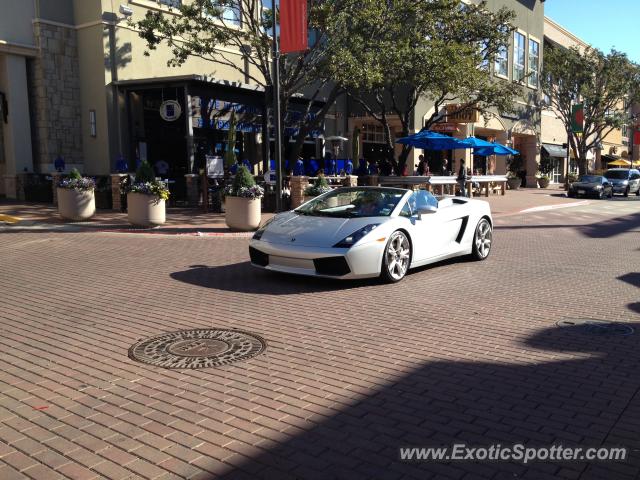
(486, 180)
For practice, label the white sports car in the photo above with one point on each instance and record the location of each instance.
(359, 232)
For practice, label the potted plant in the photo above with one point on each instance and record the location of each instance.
(543, 180)
(544, 169)
(76, 199)
(242, 201)
(146, 198)
(320, 186)
(513, 180)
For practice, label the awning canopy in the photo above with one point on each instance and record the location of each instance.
(610, 157)
(555, 150)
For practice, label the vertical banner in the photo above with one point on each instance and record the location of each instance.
(577, 118)
(293, 26)
(636, 137)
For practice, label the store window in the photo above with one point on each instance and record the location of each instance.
(534, 62)
(231, 13)
(518, 56)
(373, 133)
(171, 3)
(502, 62)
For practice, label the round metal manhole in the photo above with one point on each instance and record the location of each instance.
(597, 327)
(202, 348)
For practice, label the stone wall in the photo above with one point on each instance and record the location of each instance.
(54, 79)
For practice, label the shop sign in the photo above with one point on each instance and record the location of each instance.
(457, 114)
(444, 127)
(170, 110)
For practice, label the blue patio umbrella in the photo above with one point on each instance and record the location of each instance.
(495, 149)
(477, 143)
(428, 140)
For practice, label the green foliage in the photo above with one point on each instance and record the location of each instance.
(145, 173)
(230, 154)
(391, 55)
(75, 174)
(600, 81)
(515, 164)
(546, 165)
(243, 178)
(320, 186)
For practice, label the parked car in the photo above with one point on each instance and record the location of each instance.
(624, 180)
(591, 186)
(358, 232)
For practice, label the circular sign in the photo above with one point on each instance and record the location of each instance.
(195, 349)
(170, 110)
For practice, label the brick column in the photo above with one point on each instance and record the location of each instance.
(55, 179)
(193, 195)
(117, 179)
(298, 184)
(350, 181)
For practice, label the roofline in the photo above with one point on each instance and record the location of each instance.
(566, 32)
(193, 78)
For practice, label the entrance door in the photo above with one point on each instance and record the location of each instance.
(556, 173)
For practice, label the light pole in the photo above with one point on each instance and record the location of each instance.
(276, 110)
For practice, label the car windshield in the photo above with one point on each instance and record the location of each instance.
(353, 202)
(617, 174)
(590, 179)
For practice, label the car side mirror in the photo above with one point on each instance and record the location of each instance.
(426, 209)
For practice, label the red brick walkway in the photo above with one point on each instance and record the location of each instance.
(461, 352)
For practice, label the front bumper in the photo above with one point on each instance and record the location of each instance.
(360, 261)
(619, 188)
(587, 192)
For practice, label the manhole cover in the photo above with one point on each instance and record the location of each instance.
(597, 327)
(197, 348)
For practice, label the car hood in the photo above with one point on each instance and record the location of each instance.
(310, 231)
(617, 181)
(585, 184)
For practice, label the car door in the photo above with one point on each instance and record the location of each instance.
(634, 181)
(425, 229)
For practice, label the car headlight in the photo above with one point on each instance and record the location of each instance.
(260, 231)
(625, 182)
(351, 240)
(598, 187)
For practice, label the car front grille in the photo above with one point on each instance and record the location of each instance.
(335, 266)
(258, 257)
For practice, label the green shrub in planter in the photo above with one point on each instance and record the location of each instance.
(319, 187)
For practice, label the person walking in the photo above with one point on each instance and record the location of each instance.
(462, 178)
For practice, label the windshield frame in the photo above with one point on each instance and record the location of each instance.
(594, 179)
(305, 208)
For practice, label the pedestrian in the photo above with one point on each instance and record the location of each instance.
(462, 178)
(421, 165)
(298, 170)
(445, 167)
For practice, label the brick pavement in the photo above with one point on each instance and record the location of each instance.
(457, 352)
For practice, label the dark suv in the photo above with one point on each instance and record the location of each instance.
(624, 180)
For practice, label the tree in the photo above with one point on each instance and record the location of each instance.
(403, 52)
(200, 28)
(601, 82)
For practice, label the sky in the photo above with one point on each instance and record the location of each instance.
(603, 24)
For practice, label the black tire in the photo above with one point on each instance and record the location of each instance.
(638, 192)
(611, 193)
(571, 195)
(482, 240)
(396, 257)
(626, 192)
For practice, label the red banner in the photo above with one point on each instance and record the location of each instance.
(636, 138)
(293, 26)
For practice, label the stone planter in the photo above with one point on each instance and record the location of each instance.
(514, 183)
(543, 182)
(145, 210)
(242, 213)
(75, 204)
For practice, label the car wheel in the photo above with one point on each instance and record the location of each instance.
(638, 192)
(396, 257)
(482, 240)
(570, 195)
(626, 192)
(611, 193)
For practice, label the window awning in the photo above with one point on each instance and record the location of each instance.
(609, 157)
(555, 150)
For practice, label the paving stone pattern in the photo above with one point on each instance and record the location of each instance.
(460, 352)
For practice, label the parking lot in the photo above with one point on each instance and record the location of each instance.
(460, 352)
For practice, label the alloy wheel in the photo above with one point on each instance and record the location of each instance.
(483, 239)
(398, 255)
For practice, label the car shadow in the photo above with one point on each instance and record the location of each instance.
(244, 278)
(582, 393)
(632, 278)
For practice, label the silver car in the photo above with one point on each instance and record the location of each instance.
(624, 180)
